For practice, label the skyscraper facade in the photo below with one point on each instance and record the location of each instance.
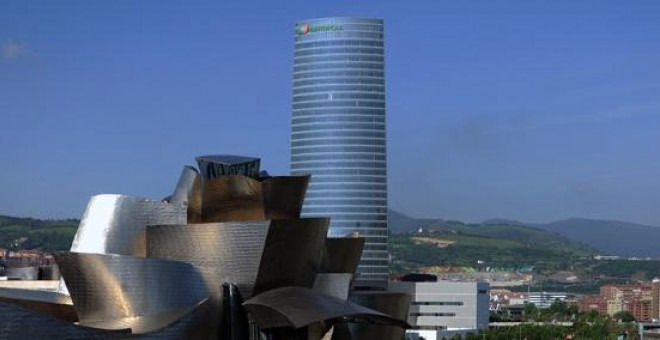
(338, 132)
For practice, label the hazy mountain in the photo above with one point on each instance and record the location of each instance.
(502, 221)
(608, 237)
(401, 223)
(611, 237)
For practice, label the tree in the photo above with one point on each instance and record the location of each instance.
(624, 316)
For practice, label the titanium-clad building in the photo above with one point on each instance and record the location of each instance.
(338, 132)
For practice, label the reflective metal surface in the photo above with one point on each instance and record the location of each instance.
(396, 305)
(342, 254)
(149, 323)
(231, 250)
(184, 188)
(115, 224)
(232, 198)
(50, 303)
(241, 198)
(333, 284)
(195, 202)
(292, 254)
(298, 307)
(257, 255)
(284, 196)
(105, 287)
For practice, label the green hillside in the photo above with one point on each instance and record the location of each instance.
(47, 235)
(510, 247)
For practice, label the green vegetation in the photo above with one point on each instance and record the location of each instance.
(642, 270)
(545, 324)
(501, 246)
(467, 247)
(46, 235)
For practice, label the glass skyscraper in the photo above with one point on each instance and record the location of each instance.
(338, 132)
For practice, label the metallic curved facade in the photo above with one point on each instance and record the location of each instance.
(393, 304)
(115, 224)
(297, 307)
(256, 256)
(231, 251)
(184, 187)
(292, 254)
(342, 254)
(338, 131)
(241, 198)
(107, 287)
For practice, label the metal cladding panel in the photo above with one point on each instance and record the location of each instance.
(393, 304)
(195, 202)
(241, 198)
(298, 307)
(293, 253)
(19, 323)
(342, 254)
(334, 284)
(232, 198)
(106, 287)
(184, 188)
(115, 224)
(284, 196)
(228, 252)
(148, 323)
(50, 303)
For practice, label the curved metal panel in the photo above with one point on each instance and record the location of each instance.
(184, 188)
(334, 284)
(232, 198)
(115, 224)
(284, 196)
(292, 254)
(195, 202)
(50, 303)
(393, 304)
(298, 307)
(106, 287)
(241, 198)
(229, 251)
(342, 254)
(149, 323)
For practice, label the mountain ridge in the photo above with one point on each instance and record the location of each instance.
(608, 236)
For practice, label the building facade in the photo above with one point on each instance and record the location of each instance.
(338, 132)
(641, 300)
(446, 305)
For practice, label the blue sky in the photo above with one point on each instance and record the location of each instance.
(530, 110)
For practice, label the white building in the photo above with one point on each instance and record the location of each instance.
(445, 305)
(545, 299)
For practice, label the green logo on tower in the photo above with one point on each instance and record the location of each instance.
(304, 29)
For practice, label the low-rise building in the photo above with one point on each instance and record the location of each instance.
(446, 305)
(641, 300)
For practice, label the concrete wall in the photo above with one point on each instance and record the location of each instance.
(447, 305)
